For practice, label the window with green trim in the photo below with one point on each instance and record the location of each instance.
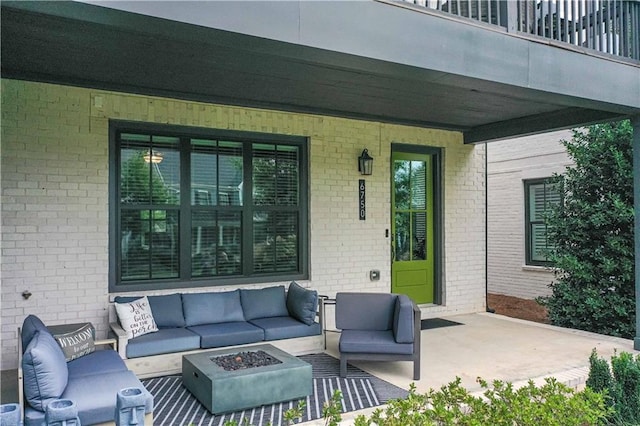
(540, 196)
(199, 207)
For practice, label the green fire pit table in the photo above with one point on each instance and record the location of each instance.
(223, 391)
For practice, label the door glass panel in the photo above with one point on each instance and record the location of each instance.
(419, 232)
(402, 237)
(418, 185)
(401, 182)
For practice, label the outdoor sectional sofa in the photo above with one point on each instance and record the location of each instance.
(91, 381)
(191, 322)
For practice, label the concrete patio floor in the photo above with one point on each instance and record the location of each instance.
(494, 347)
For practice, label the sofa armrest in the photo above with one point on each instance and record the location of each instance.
(111, 342)
(404, 320)
(121, 338)
(20, 373)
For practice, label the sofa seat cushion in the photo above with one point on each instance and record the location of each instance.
(227, 334)
(212, 308)
(165, 340)
(98, 362)
(95, 396)
(373, 342)
(263, 303)
(277, 328)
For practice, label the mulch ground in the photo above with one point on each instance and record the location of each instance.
(516, 307)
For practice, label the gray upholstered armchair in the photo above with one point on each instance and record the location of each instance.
(378, 327)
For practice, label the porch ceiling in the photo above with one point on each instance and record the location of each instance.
(93, 46)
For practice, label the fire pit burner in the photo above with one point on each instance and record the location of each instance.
(243, 360)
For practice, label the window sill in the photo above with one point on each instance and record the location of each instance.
(536, 268)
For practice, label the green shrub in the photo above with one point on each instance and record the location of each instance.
(591, 234)
(551, 404)
(622, 388)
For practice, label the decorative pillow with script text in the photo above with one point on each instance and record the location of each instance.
(77, 343)
(136, 317)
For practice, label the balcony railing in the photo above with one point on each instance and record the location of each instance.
(608, 26)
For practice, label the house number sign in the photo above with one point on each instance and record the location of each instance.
(361, 200)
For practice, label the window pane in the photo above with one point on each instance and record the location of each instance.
(275, 175)
(536, 202)
(215, 243)
(538, 242)
(149, 244)
(216, 173)
(148, 176)
(401, 172)
(166, 184)
(419, 228)
(275, 244)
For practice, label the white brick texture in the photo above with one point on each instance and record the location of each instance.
(510, 163)
(55, 200)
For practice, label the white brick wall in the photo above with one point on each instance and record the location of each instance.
(55, 200)
(511, 162)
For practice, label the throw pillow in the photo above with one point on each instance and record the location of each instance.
(44, 370)
(30, 325)
(77, 343)
(136, 317)
(302, 303)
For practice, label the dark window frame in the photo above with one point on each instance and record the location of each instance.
(529, 223)
(184, 280)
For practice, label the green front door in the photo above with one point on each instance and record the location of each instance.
(412, 267)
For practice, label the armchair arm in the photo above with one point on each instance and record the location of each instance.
(20, 373)
(121, 338)
(111, 342)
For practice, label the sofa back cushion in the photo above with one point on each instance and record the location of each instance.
(30, 326)
(166, 309)
(44, 369)
(403, 324)
(302, 303)
(365, 311)
(212, 308)
(263, 303)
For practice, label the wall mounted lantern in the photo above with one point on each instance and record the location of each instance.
(365, 163)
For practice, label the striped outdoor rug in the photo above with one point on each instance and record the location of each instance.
(174, 405)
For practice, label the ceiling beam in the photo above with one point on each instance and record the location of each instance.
(541, 123)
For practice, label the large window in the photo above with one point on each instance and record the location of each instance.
(540, 196)
(195, 207)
